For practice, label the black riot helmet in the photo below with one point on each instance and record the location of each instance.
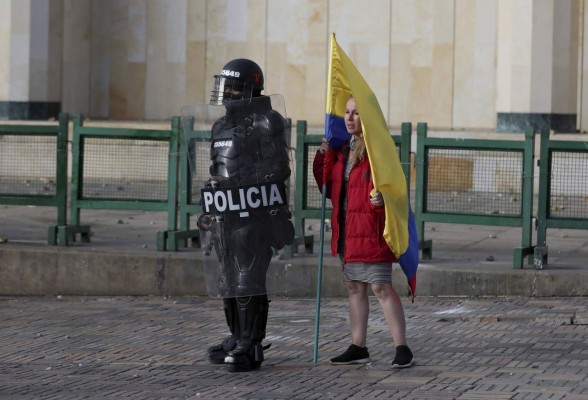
(240, 79)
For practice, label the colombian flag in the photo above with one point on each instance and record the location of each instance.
(400, 229)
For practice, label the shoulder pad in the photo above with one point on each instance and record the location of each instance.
(268, 123)
(218, 124)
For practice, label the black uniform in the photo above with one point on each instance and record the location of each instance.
(248, 147)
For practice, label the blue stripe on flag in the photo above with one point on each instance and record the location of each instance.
(335, 131)
(409, 260)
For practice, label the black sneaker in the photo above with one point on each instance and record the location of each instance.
(404, 358)
(353, 355)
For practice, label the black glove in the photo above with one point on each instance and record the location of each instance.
(205, 222)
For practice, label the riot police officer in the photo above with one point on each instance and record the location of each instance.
(248, 149)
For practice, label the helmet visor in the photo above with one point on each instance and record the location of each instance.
(227, 89)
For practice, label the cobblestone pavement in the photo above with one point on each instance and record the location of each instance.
(153, 348)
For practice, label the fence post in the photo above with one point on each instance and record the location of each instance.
(61, 179)
(540, 255)
(164, 242)
(422, 161)
(527, 178)
(185, 176)
(406, 134)
(77, 162)
(299, 195)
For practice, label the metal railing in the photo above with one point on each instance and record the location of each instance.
(563, 190)
(193, 172)
(475, 182)
(458, 181)
(40, 180)
(124, 169)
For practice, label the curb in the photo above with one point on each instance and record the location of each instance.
(50, 271)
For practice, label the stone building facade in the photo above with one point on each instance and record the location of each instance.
(455, 64)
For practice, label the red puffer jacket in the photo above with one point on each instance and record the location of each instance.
(364, 222)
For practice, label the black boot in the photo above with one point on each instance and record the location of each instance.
(217, 354)
(248, 354)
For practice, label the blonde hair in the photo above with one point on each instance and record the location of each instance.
(359, 151)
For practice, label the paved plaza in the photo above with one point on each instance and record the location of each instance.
(472, 336)
(62, 347)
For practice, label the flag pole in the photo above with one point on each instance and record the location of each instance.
(319, 277)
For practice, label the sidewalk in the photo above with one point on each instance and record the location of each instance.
(115, 319)
(121, 259)
(144, 348)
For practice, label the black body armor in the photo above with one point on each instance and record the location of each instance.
(248, 147)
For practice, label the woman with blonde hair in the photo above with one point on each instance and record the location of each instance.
(357, 237)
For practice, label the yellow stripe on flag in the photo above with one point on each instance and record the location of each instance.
(387, 173)
(338, 90)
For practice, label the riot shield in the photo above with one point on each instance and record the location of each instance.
(239, 161)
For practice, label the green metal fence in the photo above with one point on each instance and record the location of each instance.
(460, 181)
(124, 169)
(193, 172)
(42, 179)
(563, 190)
(307, 197)
(475, 181)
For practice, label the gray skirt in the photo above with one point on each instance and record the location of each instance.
(380, 273)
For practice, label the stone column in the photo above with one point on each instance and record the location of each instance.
(30, 59)
(537, 65)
